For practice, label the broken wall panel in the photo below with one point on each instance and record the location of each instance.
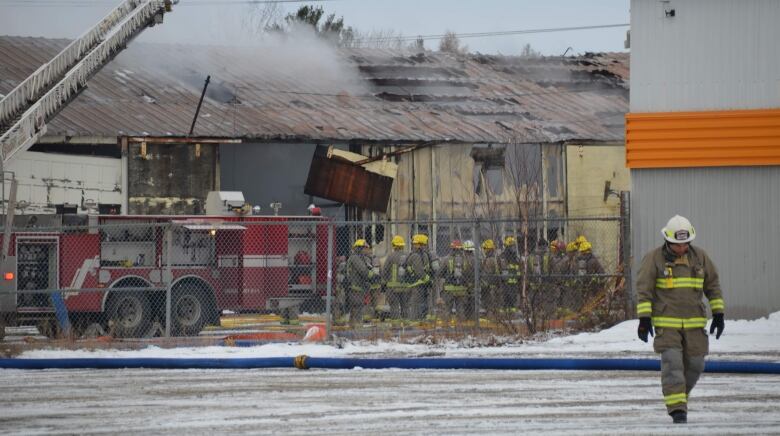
(170, 179)
(347, 183)
(448, 181)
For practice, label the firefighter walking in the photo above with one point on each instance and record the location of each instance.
(670, 284)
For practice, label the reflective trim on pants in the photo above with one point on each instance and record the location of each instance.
(673, 399)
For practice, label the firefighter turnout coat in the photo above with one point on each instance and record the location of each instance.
(670, 292)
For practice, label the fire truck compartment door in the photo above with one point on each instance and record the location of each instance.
(8, 285)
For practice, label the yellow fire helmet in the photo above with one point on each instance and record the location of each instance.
(509, 241)
(585, 247)
(360, 243)
(571, 246)
(580, 239)
(420, 239)
(488, 244)
(398, 241)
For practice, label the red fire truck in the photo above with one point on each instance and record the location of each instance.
(114, 271)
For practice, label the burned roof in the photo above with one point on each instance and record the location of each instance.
(356, 95)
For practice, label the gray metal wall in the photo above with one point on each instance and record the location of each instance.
(267, 173)
(735, 212)
(713, 54)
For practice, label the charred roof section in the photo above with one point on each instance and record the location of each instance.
(364, 95)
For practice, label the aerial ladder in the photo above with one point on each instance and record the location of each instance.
(25, 110)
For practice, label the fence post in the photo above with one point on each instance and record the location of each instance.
(168, 279)
(477, 267)
(329, 285)
(625, 222)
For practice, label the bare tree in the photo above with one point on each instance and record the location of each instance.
(261, 18)
(418, 44)
(450, 43)
(528, 52)
(384, 38)
(525, 172)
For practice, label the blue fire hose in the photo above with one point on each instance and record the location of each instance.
(305, 362)
(61, 312)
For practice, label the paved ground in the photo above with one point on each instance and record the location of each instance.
(292, 402)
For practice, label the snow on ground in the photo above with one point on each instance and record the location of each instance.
(393, 401)
(376, 402)
(741, 339)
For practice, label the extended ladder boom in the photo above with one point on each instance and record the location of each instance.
(25, 111)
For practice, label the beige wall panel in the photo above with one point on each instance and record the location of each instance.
(587, 168)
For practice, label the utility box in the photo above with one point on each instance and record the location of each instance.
(225, 203)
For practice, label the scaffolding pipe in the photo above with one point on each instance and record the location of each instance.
(305, 362)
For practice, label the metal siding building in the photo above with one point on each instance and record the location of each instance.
(712, 55)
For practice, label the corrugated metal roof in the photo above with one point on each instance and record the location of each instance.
(359, 95)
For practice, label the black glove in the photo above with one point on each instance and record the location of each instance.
(717, 324)
(645, 327)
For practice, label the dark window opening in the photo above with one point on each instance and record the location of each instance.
(99, 150)
(489, 161)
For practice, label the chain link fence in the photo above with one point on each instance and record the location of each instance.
(223, 280)
(501, 276)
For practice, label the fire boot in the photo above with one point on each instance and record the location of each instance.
(679, 417)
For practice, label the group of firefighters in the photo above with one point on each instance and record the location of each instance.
(671, 283)
(417, 284)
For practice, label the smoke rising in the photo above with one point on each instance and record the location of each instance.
(294, 62)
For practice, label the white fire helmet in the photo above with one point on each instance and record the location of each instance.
(678, 230)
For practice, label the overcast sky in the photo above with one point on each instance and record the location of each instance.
(221, 21)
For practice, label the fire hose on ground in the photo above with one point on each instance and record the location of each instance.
(306, 362)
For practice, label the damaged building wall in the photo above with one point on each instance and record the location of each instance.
(272, 172)
(452, 181)
(588, 168)
(267, 173)
(170, 179)
(462, 187)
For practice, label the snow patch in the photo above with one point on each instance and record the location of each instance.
(740, 336)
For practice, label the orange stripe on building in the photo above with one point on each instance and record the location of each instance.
(703, 139)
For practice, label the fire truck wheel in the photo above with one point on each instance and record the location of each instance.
(189, 312)
(129, 314)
